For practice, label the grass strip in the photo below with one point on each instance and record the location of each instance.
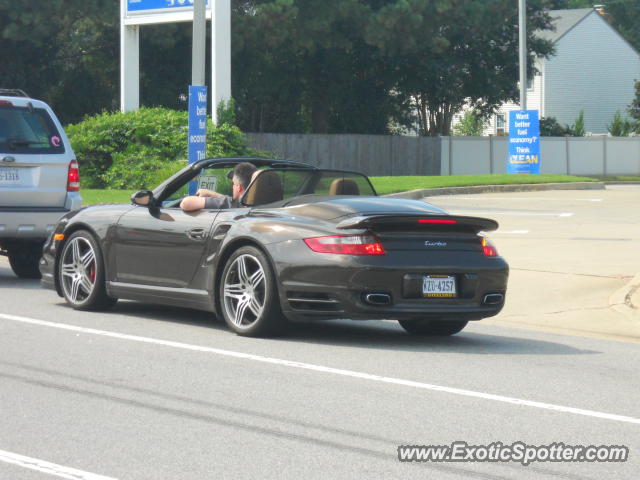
(384, 185)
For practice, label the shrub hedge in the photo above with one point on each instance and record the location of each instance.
(140, 149)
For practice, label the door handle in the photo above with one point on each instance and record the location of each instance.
(196, 233)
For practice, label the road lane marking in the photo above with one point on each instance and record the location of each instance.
(514, 232)
(324, 369)
(513, 214)
(529, 199)
(48, 467)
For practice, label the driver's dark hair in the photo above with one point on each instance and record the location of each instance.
(243, 172)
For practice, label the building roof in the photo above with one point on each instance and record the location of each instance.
(563, 20)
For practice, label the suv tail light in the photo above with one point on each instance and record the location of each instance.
(346, 244)
(73, 177)
(488, 248)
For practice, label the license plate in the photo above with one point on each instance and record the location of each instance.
(9, 176)
(439, 286)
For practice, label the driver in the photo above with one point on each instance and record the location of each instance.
(242, 175)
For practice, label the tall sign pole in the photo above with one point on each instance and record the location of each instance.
(522, 30)
(199, 42)
(220, 55)
(197, 139)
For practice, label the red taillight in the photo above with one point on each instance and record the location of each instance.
(73, 177)
(5, 103)
(437, 220)
(346, 244)
(488, 248)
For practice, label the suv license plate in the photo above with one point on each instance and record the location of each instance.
(439, 286)
(9, 176)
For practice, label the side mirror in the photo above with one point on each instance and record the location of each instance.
(143, 198)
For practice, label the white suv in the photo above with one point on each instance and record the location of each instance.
(39, 179)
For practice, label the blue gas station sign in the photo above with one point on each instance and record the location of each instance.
(524, 142)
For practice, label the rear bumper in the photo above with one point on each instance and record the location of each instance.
(32, 223)
(325, 286)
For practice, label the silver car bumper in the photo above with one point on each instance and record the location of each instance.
(33, 223)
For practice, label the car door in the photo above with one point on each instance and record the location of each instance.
(160, 246)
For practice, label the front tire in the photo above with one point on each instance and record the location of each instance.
(81, 273)
(25, 261)
(249, 295)
(432, 327)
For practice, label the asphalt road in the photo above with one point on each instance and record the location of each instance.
(146, 392)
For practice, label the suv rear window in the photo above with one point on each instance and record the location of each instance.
(28, 130)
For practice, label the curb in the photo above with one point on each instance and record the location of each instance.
(626, 300)
(524, 187)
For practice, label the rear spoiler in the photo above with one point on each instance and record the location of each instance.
(390, 222)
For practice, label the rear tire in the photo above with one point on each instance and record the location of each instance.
(248, 294)
(25, 261)
(432, 327)
(81, 273)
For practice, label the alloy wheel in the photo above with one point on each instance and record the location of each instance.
(78, 270)
(245, 291)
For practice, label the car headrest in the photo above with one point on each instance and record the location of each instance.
(344, 186)
(265, 188)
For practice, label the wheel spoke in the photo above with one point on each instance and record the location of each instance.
(68, 270)
(243, 276)
(234, 290)
(240, 309)
(86, 284)
(88, 258)
(255, 306)
(75, 287)
(75, 250)
(257, 278)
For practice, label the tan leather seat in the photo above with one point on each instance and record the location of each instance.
(266, 188)
(344, 186)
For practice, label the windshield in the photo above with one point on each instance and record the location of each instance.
(28, 130)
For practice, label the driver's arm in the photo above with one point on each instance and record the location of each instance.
(191, 203)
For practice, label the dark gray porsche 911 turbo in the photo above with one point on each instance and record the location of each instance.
(304, 244)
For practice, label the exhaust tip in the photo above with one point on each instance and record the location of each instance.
(493, 299)
(377, 298)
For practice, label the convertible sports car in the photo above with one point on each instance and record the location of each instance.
(305, 244)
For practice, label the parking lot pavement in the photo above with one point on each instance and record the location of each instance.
(573, 257)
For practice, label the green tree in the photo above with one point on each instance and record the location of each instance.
(304, 66)
(620, 126)
(450, 53)
(550, 127)
(624, 16)
(577, 129)
(634, 108)
(65, 53)
(471, 125)
(564, 4)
